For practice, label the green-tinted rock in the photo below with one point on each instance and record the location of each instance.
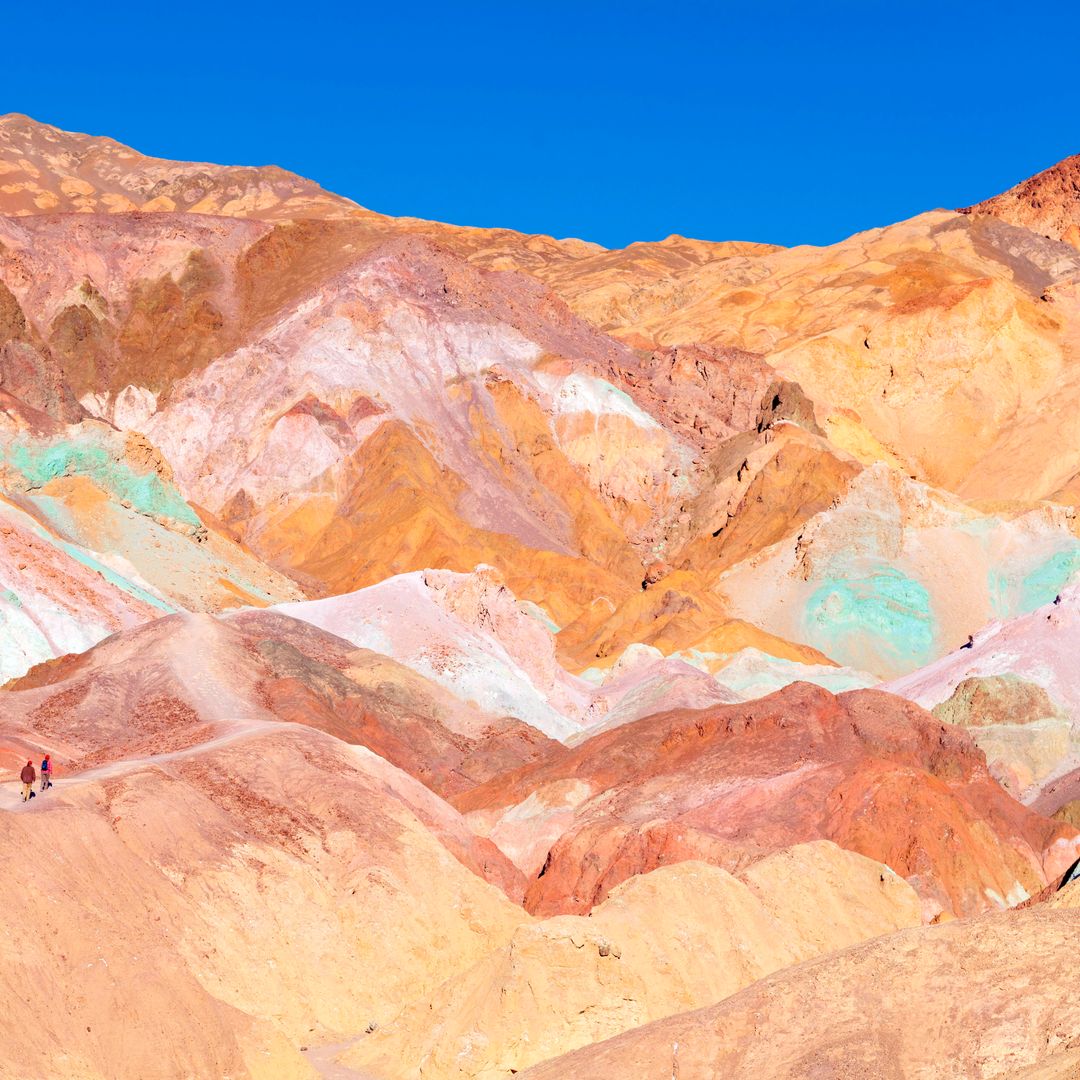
(986, 700)
(39, 461)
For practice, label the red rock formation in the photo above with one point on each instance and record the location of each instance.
(182, 681)
(706, 393)
(867, 770)
(1047, 203)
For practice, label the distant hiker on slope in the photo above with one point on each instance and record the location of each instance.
(46, 773)
(28, 776)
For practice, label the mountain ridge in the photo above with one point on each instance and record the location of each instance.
(456, 648)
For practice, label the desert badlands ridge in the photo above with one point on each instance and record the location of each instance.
(465, 654)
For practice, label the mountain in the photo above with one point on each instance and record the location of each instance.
(99, 538)
(49, 171)
(458, 649)
(942, 345)
(577, 466)
(1046, 203)
(189, 865)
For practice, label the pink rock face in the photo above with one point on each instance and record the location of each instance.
(100, 540)
(1040, 647)
(50, 602)
(466, 632)
(867, 770)
(187, 680)
(649, 687)
(124, 303)
(32, 383)
(407, 331)
(706, 393)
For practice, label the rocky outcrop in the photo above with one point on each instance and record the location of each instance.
(992, 700)
(1019, 686)
(1047, 203)
(864, 579)
(149, 691)
(51, 602)
(866, 770)
(1024, 735)
(101, 539)
(883, 332)
(28, 371)
(465, 632)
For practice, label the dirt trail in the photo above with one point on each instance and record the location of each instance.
(11, 792)
(194, 656)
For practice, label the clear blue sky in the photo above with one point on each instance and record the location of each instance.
(782, 122)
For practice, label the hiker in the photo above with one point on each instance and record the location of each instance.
(969, 644)
(28, 776)
(46, 773)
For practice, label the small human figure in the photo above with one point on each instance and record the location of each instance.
(28, 776)
(970, 643)
(46, 773)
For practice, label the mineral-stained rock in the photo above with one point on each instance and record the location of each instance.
(422, 419)
(182, 680)
(869, 771)
(942, 344)
(982, 701)
(52, 603)
(1024, 735)
(1047, 203)
(538, 524)
(466, 632)
(1014, 670)
(101, 539)
(678, 612)
(894, 575)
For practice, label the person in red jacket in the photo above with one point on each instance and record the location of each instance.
(28, 776)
